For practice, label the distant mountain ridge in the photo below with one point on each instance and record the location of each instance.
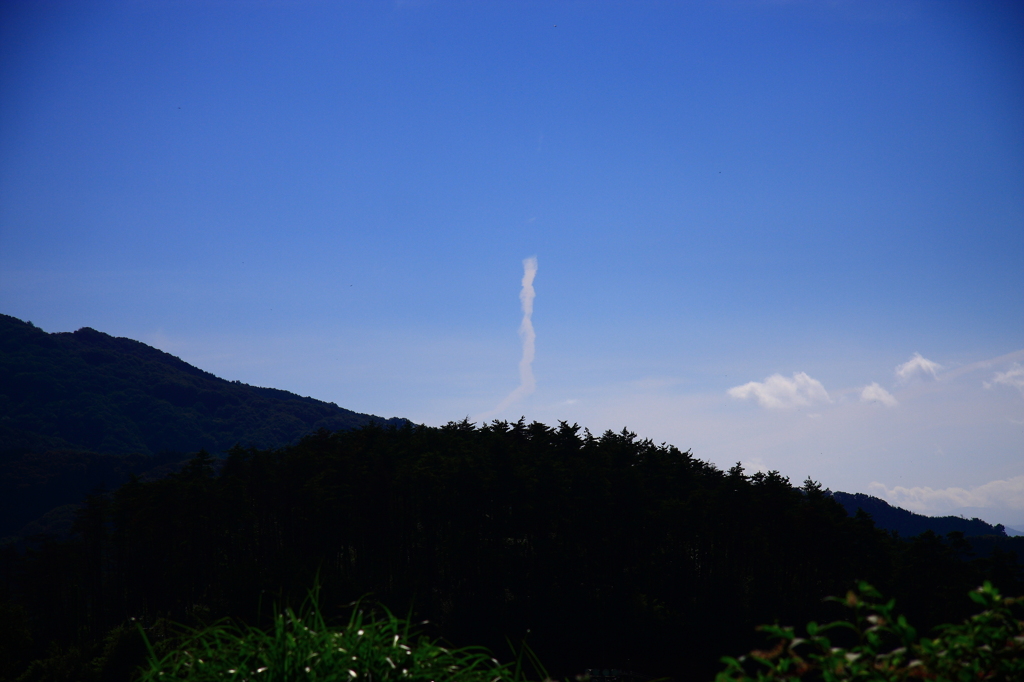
(90, 391)
(907, 523)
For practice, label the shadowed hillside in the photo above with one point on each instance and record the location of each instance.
(611, 551)
(907, 523)
(90, 391)
(65, 397)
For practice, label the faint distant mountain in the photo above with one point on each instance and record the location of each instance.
(90, 391)
(84, 410)
(907, 523)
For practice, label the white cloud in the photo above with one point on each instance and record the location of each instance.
(754, 465)
(1008, 494)
(779, 392)
(917, 366)
(1012, 377)
(875, 393)
(527, 383)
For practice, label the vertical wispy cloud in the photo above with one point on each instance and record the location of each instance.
(917, 366)
(779, 392)
(876, 394)
(527, 383)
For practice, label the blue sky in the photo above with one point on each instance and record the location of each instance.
(746, 215)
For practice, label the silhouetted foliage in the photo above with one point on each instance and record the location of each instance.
(612, 551)
(879, 644)
(40, 493)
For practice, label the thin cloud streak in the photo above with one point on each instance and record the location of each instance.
(527, 383)
(1016, 357)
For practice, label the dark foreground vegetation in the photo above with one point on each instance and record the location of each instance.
(602, 552)
(882, 647)
(377, 647)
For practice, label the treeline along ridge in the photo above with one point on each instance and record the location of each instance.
(609, 550)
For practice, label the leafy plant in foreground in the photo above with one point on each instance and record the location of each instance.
(301, 646)
(986, 646)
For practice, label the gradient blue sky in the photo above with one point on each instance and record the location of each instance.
(744, 214)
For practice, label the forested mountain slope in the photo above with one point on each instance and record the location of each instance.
(907, 523)
(83, 410)
(612, 551)
(87, 390)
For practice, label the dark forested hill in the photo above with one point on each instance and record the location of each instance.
(90, 391)
(611, 551)
(907, 523)
(83, 410)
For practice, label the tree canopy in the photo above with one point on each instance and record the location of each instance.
(609, 550)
